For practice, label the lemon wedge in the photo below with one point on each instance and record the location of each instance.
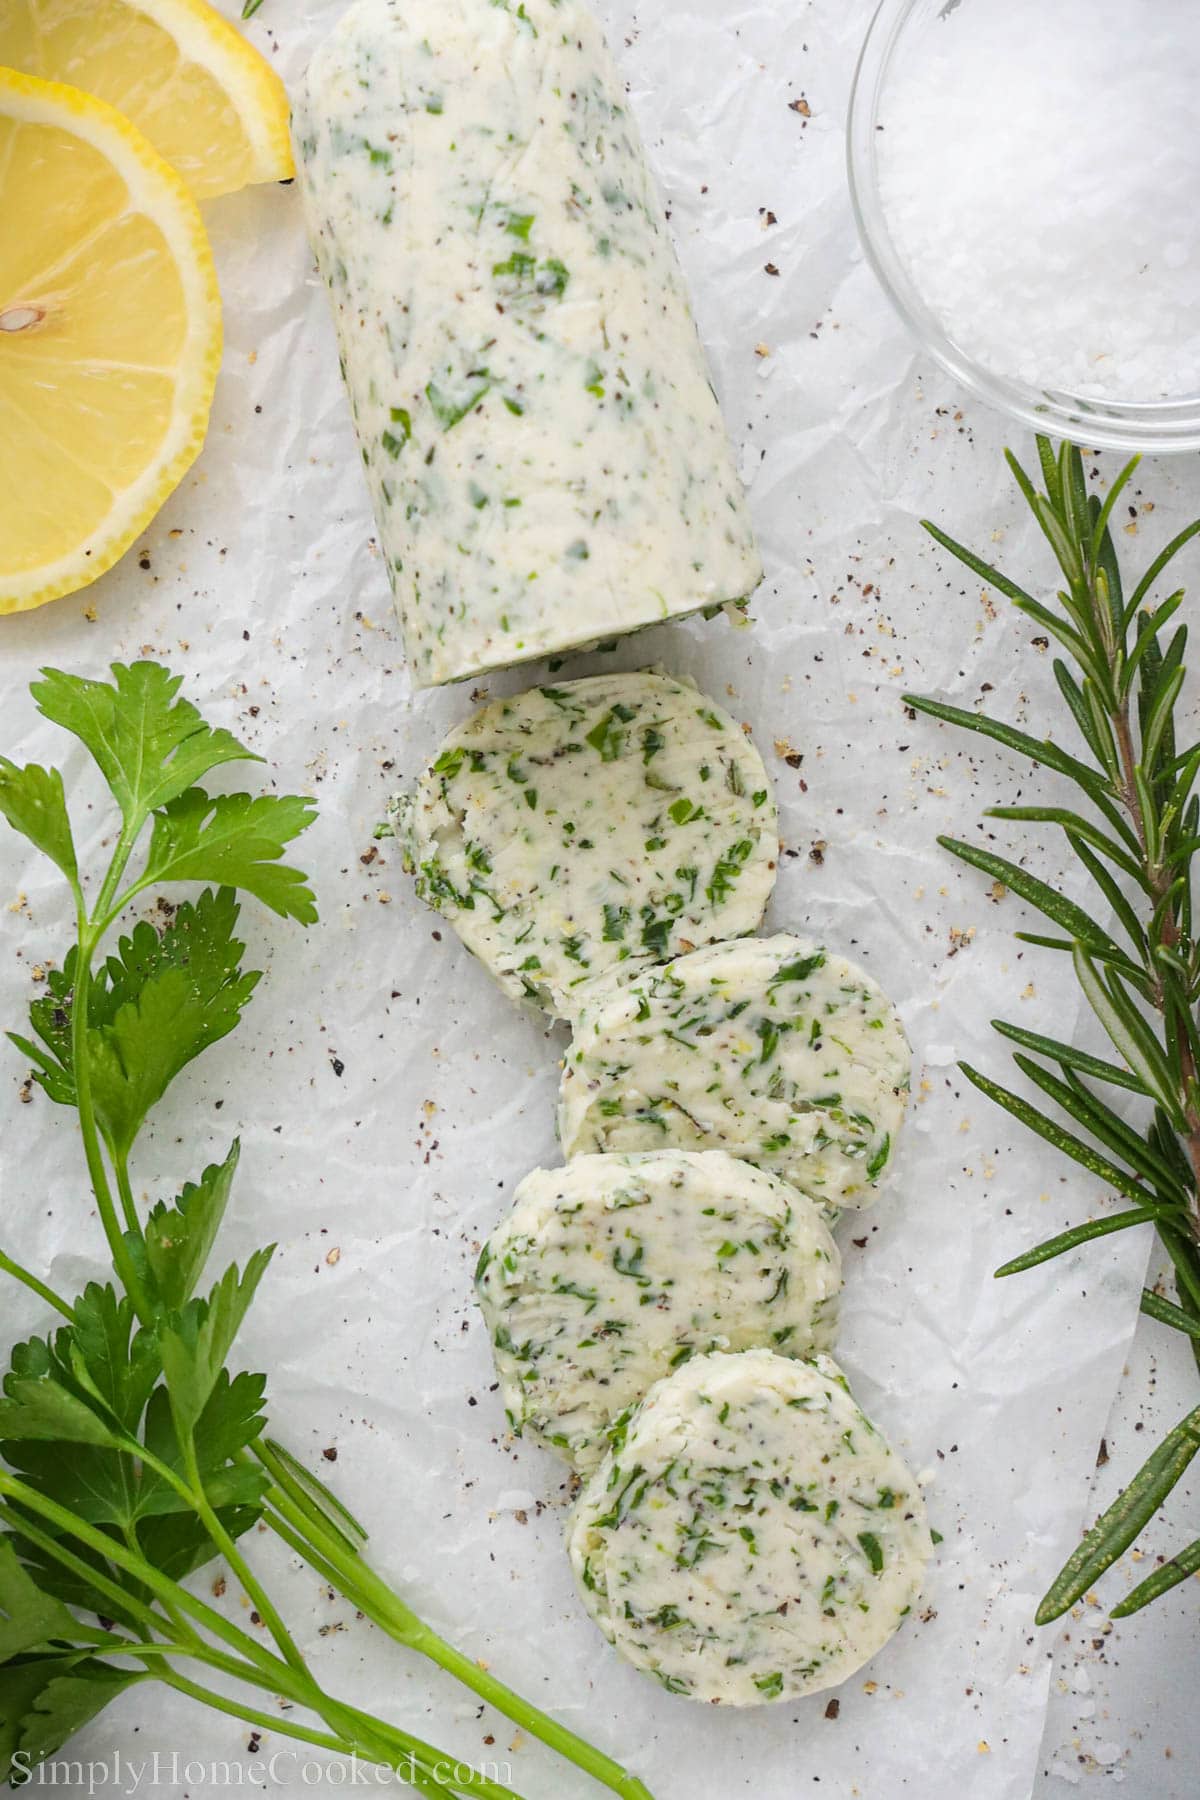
(110, 337)
(186, 77)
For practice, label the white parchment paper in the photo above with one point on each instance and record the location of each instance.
(389, 1099)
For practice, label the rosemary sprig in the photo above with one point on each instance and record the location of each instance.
(1138, 963)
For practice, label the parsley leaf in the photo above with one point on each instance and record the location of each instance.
(46, 1700)
(152, 1008)
(66, 1584)
(40, 1408)
(28, 1617)
(236, 840)
(179, 1238)
(112, 1361)
(232, 1417)
(33, 802)
(54, 1401)
(194, 1346)
(88, 1386)
(149, 744)
(105, 1371)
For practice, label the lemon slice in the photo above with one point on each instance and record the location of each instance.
(187, 78)
(110, 337)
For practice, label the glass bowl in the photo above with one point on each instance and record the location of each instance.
(1152, 425)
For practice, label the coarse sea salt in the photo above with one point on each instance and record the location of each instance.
(1038, 165)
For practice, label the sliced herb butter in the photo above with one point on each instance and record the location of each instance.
(750, 1536)
(615, 1270)
(580, 832)
(772, 1048)
(545, 453)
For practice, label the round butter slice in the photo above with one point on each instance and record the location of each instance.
(611, 1272)
(574, 834)
(753, 1538)
(772, 1048)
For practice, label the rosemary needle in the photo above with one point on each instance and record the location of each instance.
(1137, 836)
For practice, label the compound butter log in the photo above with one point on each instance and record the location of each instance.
(547, 460)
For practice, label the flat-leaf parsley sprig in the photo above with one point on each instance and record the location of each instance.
(1138, 964)
(130, 1455)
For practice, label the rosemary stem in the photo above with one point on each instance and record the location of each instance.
(1168, 936)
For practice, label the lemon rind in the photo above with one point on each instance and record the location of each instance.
(255, 88)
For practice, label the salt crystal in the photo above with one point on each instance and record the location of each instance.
(1038, 171)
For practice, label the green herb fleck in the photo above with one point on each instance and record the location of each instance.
(394, 442)
(450, 408)
(872, 1550)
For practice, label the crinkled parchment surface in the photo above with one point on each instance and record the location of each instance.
(389, 1099)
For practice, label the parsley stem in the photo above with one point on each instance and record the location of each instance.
(371, 1594)
(332, 1711)
(558, 1737)
(396, 1745)
(36, 1287)
(122, 1260)
(237, 1562)
(371, 1737)
(164, 1589)
(125, 1191)
(103, 912)
(89, 933)
(400, 1746)
(429, 1780)
(125, 1604)
(195, 1496)
(236, 1710)
(463, 1776)
(130, 1539)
